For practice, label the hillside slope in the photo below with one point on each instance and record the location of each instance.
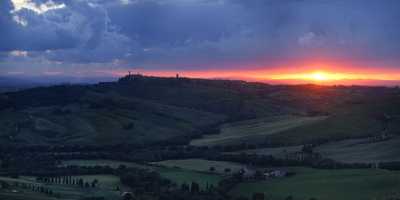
(145, 110)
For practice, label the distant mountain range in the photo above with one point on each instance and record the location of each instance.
(14, 83)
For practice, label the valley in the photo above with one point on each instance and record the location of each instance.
(153, 137)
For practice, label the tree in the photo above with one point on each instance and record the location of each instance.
(289, 197)
(212, 169)
(185, 187)
(307, 148)
(127, 196)
(195, 188)
(258, 196)
(94, 182)
(258, 175)
(80, 182)
(122, 167)
(4, 185)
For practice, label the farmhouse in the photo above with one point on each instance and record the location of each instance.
(275, 173)
(127, 196)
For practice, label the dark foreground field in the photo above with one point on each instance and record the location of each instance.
(178, 138)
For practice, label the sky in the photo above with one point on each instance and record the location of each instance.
(280, 40)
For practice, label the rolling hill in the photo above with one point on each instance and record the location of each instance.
(145, 110)
(362, 150)
(252, 130)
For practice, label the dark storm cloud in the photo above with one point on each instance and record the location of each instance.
(154, 24)
(41, 34)
(201, 33)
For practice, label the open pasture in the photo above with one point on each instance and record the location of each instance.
(353, 184)
(362, 150)
(254, 130)
(202, 165)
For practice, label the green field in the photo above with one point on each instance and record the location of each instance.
(176, 175)
(362, 150)
(202, 165)
(180, 176)
(24, 195)
(110, 182)
(368, 184)
(105, 181)
(253, 130)
(197, 170)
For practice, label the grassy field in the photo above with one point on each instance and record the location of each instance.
(355, 184)
(197, 170)
(105, 181)
(24, 195)
(255, 129)
(343, 122)
(362, 151)
(202, 165)
(180, 176)
(346, 121)
(176, 175)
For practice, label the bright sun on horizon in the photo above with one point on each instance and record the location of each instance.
(314, 76)
(324, 76)
(319, 76)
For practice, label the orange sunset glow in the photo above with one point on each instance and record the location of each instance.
(326, 76)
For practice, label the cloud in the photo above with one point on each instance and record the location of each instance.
(21, 21)
(196, 34)
(152, 23)
(18, 53)
(38, 8)
(32, 31)
(310, 39)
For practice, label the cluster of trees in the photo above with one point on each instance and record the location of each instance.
(42, 189)
(68, 180)
(270, 161)
(392, 196)
(150, 183)
(59, 174)
(389, 165)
